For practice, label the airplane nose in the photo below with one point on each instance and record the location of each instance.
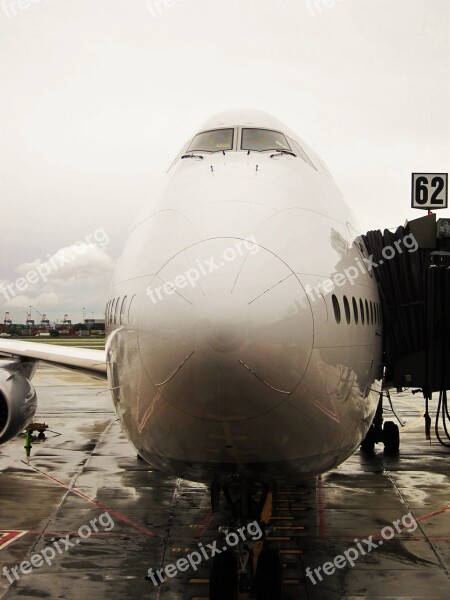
(226, 330)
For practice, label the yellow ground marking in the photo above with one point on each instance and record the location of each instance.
(416, 421)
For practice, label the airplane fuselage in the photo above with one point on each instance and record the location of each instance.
(225, 354)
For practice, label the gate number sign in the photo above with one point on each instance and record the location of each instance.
(429, 190)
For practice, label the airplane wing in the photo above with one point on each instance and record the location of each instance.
(92, 362)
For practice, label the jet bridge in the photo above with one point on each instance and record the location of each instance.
(413, 275)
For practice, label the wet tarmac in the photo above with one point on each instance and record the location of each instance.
(89, 471)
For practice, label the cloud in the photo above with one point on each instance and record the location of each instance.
(49, 300)
(74, 276)
(81, 262)
(84, 264)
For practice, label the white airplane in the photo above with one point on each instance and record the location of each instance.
(231, 356)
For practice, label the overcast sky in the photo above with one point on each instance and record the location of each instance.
(97, 96)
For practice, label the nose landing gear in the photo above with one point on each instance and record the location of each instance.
(388, 433)
(232, 572)
(233, 569)
(269, 576)
(223, 579)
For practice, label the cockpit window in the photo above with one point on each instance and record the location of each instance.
(260, 140)
(300, 152)
(216, 140)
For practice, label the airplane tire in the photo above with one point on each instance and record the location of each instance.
(215, 496)
(269, 576)
(391, 437)
(223, 579)
(368, 443)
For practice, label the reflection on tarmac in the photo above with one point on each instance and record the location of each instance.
(90, 467)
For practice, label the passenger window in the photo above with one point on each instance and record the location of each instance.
(347, 310)
(367, 313)
(122, 310)
(355, 310)
(116, 312)
(111, 314)
(129, 308)
(361, 310)
(337, 309)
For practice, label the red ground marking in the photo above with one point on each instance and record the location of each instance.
(439, 511)
(320, 507)
(7, 536)
(116, 514)
(407, 539)
(203, 526)
(48, 533)
(434, 513)
(378, 536)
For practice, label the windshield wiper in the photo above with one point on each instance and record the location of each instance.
(276, 150)
(193, 156)
(283, 152)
